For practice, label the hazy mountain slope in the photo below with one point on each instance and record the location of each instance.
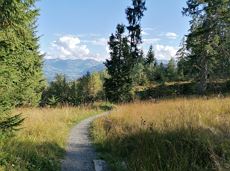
(73, 69)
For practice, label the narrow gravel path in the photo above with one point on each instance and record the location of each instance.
(80, 153)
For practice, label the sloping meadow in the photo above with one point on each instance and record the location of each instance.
(40, 143)
(168, 135)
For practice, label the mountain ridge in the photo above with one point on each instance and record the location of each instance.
(72, 68)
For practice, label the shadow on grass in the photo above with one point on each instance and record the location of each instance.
(26, 155)
(185, 149)
(183, 89)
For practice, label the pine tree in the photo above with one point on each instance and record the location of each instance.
(150, 57)
(160, 73)
(20, 49)
(134, 16)
(59, 88)
(125, 56)
(21, 79)
(118, 86)
(171, 70)
(150, 64)
(209, 27)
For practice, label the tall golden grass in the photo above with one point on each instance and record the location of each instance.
(40, 143)
(178, 134)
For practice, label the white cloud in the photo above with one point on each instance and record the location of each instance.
(171, 35)
(70, 47)
(165, 52)
(150, 41)
(146, 30)
(99, 41)
(144, 33)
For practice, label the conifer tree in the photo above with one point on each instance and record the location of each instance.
(21, 79)
(125, 54)
(150, 65)
(208, 33)
(118, 86)
(89, 88)
(150, 57)
(160, 73)
(171, 70)
(134, 16)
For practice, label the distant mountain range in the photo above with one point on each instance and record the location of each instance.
(73, 69)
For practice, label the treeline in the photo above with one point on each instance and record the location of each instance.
(203, 58)
(83, 91)
(21, 76)
(91, 87)
(127, 67)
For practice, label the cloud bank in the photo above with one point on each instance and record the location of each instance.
(171, 35)
(72, 47)
(163, 52)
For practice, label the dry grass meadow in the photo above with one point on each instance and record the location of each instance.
(168, 135)
(40, 143)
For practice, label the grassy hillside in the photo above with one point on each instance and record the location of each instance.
(168, 135)
(40, 144)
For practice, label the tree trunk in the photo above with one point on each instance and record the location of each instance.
(203, 83)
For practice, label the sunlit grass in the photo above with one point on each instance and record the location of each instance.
(172, 135)
(40, 143)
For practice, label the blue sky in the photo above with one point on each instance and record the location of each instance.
(79, 29)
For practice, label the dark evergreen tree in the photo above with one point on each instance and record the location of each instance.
(150, 65)
(21, 79)
(125, 56)
(150, 57)
(118, 86)
(184, 69)
(208, 34)
(160, 73)
(134, 16)
(171, 70)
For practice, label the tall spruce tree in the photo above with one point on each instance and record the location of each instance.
(208, 33)
(150, 65)
(20, 63)
(125, 55)
(118, 86)
(171, 70)
(150, 57)
(134, 16)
